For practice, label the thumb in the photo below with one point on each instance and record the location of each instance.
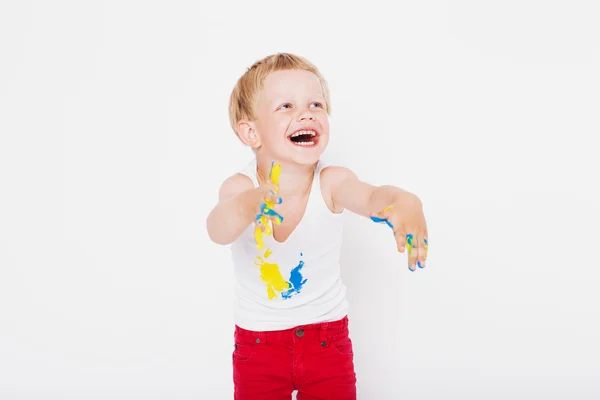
(383, 216)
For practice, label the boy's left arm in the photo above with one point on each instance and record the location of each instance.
(405, 214)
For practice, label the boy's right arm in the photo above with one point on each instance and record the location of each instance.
(237, 208)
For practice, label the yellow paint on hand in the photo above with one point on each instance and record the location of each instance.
(274, 175)
(409, 244)
(387, 208)
(270, 205)
(271, 276)
(269, 272)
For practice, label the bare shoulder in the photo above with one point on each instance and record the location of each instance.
(234, 185)
(330, 177)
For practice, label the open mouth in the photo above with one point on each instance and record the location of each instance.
(304, 138)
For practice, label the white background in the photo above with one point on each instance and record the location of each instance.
(115, 139)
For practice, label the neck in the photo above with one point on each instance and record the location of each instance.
(295, 179)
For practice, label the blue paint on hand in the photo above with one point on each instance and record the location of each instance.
(381, 221)
(266, 211)
(273, 213)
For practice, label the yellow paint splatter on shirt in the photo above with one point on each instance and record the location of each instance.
(271, 276)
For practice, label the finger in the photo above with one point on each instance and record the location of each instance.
(273, 215)
(267, 208)
(421, 251)
(425, 249)
(412, 251)
(261, 209)
(272, 189)
(258, 217)
(273, 198)
(259, 225)
(400, 236)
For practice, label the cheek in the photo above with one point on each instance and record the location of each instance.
(278, 129)
(273, 129)
(282, 125)
(324, 121)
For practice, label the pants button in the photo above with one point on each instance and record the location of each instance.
(300, 332)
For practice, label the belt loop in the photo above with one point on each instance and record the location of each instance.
(323, 334)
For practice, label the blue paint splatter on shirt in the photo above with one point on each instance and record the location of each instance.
(296, 281)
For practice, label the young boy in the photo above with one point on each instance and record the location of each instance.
(291, 319)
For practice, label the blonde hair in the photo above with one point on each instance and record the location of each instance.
(243, 96)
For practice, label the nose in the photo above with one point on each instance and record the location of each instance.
(306, 115)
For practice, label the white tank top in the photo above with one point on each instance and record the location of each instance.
(298, 282)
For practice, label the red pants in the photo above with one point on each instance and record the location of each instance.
(316, 360)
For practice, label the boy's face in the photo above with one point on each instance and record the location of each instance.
(291, 120)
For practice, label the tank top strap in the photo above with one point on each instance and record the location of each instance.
(316, 186)
(316, 200)
(250, 171)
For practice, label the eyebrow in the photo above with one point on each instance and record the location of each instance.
(282, 99)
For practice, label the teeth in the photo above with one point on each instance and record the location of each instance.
(304, 143)
(311, 133)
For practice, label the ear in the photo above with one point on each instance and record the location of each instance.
(248, 134)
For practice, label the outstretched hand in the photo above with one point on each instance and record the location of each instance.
(266, 209)
(405, 217)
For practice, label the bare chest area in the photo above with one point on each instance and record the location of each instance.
(292, 209)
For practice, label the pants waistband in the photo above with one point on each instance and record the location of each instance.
(319, 329)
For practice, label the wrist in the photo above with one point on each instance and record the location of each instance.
(248, 204)
(384, 196)
(404, 198)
